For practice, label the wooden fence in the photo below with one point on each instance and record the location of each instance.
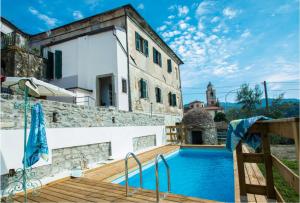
(288, 128)
(176, 134)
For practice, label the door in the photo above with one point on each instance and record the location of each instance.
(197, 137)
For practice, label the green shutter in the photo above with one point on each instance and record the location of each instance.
(174, 100)
(169, 66)
(143, 86)
(170, 99)
(159, 59)
(146, 52)
(50, 67)
(154, 55)
(145, 89)
(58, 64)
(137, 41)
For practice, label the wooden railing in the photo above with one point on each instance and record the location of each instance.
(176, 134)
(288, 128)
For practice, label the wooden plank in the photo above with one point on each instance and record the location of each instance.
(241, 169)
(288, 175)
(268, 166)
(253, 157)
(237, 197)
(288, 128)
(256, 189)
(279, 198)
(296, 132)
(250, 197)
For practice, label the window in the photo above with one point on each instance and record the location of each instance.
(156, 57)
(50, 66)
(124, 86)
(58, 64)
(172, 99)
(158, 95)
(141, 44)
(143, 89)
(169, 66)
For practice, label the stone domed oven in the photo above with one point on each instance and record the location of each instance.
(200, 126)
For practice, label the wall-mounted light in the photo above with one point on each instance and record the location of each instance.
(54, 117)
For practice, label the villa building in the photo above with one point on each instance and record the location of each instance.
(113, 59)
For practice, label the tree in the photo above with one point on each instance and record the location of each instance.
(220, 116)
(249, 98)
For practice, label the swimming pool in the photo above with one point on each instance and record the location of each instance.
(202, 173)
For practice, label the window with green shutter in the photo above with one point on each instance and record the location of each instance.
(143, 89)
(169, 66)
(50, 66)
(141, 44)
(146, 52)
(137, 42)
(156, 57)
(174, 100)
(58, 64)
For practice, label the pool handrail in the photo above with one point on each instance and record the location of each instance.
(157, 176)
(126, 171)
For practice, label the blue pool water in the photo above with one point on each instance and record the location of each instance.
(203, 173)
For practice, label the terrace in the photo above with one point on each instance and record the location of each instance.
(249, 183)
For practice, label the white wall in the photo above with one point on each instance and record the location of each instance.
(11, 151)
(5, 28)
(95, 55)
(122, 72)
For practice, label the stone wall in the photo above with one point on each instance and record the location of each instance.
(71, 115)
(209, 135)
(65, 159)
(144, 142)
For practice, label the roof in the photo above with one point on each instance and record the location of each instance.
(196, 101)
(14, 27)
(198, 118)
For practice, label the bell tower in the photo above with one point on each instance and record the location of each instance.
(211, 95)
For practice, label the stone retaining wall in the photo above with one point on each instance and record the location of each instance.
(71, 115)
(143, 142)
(65, 159)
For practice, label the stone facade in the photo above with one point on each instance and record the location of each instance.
(18, 62)
(144, 142)
(209, 136)
(71, 115)
(65, 159)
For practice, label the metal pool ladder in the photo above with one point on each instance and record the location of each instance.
(157, 176)
(126, 171)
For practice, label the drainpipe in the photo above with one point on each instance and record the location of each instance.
(128, 74)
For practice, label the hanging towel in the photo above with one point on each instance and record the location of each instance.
(37, 141)
(237, 131)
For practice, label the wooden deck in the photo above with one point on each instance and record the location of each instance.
(95, 186)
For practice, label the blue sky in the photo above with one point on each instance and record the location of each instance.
(225, 42)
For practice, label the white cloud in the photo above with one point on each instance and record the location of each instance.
(182, 24)
(223, 71)
(170, 34)
(215, 19)
(204, 7)
(77, 15)
(47, 20)
(171, 17)
(92, 3)
(161, 28)
(230, 12)
(182, 10)
(246, 33)
(141, 6)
